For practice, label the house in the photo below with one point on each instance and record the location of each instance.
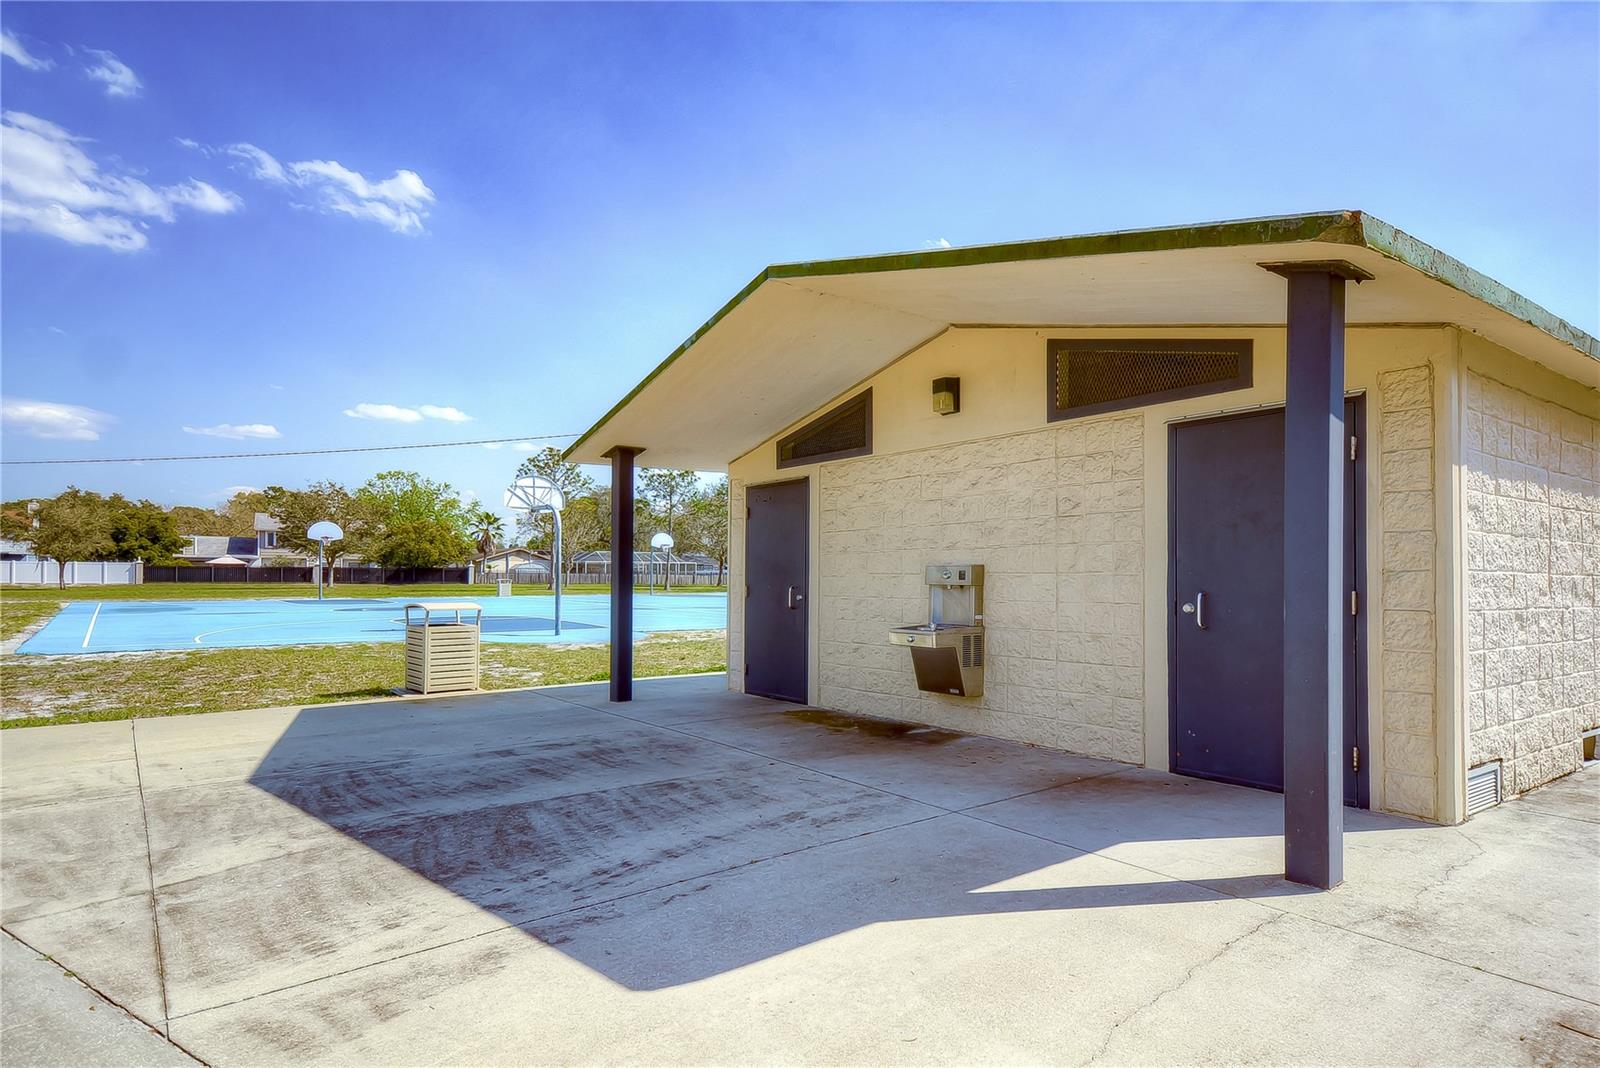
(513, 559)
(648, 567)
(12, 549)
(1299, 503)
(260, 548)
(205, 548)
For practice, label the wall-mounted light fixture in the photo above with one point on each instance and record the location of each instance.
(947, 395)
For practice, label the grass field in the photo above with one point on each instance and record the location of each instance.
(23, 605)
(35, 691)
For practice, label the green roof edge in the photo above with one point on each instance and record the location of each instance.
(1336, 227)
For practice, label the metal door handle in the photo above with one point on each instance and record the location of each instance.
(795, 596)
(1200, 610)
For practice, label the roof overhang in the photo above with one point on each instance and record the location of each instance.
(801, 334)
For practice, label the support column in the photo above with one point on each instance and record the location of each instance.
(622, 571)
(1314, 597)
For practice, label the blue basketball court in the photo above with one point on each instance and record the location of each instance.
(139, 626)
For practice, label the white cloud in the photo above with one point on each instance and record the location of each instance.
(227, 493)
(391, 412)
(14, 50)
(262, 163)
(238, 431)
(518, 446)
(49, 185)
(399, 203)
(936, 243)
(47, 419)
(115, 75)
(394, 413)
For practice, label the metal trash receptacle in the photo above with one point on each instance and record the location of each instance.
(441, 647)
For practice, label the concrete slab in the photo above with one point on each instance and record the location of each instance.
(111, 945)
(883, 949)
(697, 877)
(49, 1018)
(1575, 796)
(1295, 992)
(175, 753)
(1512, 892)
(938, 767)
(39, 876)
(45, 767)
(676, 700)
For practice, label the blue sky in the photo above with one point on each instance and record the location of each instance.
(497, 218)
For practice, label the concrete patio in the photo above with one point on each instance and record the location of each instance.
(702, 877)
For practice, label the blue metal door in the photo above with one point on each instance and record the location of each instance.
(1226, 588)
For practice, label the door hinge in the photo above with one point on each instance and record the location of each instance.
(1354, 448)
(1355, 603)
(1355, 758)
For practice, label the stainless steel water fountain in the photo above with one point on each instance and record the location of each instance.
(947, 651)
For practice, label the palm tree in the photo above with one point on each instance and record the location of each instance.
(486, 529)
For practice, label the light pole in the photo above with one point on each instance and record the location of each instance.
(534, 494)
(324, 531)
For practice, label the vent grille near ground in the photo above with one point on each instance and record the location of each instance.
(1483, 787)
(845, 431)
(1087, 377)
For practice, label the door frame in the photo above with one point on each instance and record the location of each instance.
(744, 612)
(1356, 624)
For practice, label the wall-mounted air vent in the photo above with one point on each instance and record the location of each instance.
(843, 432)
(1088, 377)
(1483, 787)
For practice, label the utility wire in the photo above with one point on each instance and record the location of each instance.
(288, 452)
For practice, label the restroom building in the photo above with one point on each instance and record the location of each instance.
(1293, 498)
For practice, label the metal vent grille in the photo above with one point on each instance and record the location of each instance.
(1087, 377)
(972, 650)
(1483, 787)
(845, 431)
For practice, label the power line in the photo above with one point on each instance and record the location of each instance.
(289, 452)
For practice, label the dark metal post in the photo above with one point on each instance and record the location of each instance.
(1313, 574)
(622, 571)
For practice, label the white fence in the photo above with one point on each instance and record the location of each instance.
(79, 573)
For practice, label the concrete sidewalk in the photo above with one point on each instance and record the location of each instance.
(48, 1017)
(701, 877)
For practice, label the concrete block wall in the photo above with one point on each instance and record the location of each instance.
(1532, 528)
(1407, 637)
(1056, 517)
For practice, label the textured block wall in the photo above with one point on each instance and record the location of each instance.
(1407, 634)
(1533, 557)
(1056, 517)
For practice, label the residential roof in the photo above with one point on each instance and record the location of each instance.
(264, 521)
(209, 546)
(801, 334)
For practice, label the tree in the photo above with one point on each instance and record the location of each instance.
(75, 525)
(241, 509)
(534, 529)
(296, 510)
(706, 525)
(487, 529)
(191, 520)
(16, 519)
(141, 530)
(422, 543)
(665, 491)
(585, 525)
(411, 521)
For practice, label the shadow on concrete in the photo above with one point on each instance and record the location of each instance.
(634, 849)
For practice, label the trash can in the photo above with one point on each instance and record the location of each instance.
(503, 588)
(442, 646)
